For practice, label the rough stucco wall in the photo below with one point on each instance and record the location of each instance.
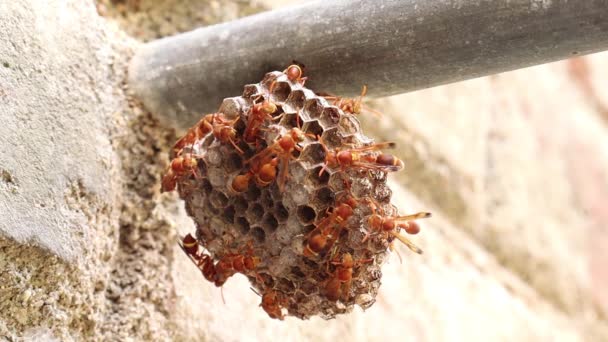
(87, 243)
(83, 254)
(49, 85)
(58, 181)
(147, 20)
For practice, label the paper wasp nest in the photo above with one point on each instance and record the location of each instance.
(284, 188)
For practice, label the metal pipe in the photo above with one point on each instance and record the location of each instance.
(393, 46)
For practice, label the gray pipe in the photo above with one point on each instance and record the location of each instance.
(392, 46)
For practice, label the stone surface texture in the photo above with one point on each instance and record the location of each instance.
(513, 166)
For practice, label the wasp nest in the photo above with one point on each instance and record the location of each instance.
(285, 189)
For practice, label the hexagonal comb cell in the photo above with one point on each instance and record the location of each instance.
(295, 101)
(240, 205)
(266, 200)
(253, 193)
(258, 234)
(319, 175)
(324, 197)
(338, 180)
(270, 78)
(330, 116)
(313, 154)
(242, 224)
(290, 120)
(270, 223)
(228, 214)
(218, 199)
(313, 128)
(299, 229)
(205, 186)
(231, 107)
(306, 214)
(332, 138)
(280, 212)
(286, 285)
(234, 162)
(255, 212)
(280, 91)
(252, 90)
(313, 108)
(349, 124)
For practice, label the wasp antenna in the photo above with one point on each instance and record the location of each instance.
(406, 242)
(393, 249)
(412, 217)
(256, 292)
(222, 294)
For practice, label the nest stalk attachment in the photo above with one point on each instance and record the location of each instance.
(393, 46)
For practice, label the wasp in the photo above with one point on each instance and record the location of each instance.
(203, 127)
(263, 175)
(362, 158)
(181, 166)
(390, 225)
(273, 302)
(282, 151)
(225, 132)
(350, 105)
(327, 231)
(338, 286)
(258, 114)
(295, 72)
(242, 262)
(203, 261)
